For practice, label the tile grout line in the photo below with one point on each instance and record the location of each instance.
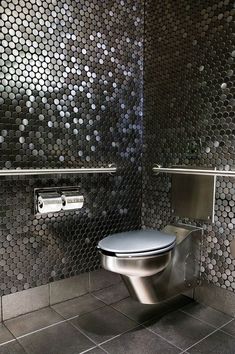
(217, 329)
(36, 331)
(111, 305)
(199, 319)
(9, 341)
(87, 350)
(83, 333)
(158, 335)
(118, 335)
(103, 349)
(99, 344)
(46, 327)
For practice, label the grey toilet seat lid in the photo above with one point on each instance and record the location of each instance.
(138, 242)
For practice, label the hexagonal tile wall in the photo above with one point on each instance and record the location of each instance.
(189, 115)
(70, 96)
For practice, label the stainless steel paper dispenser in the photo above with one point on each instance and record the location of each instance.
(49, 202)
(72, 200)
(57, 199)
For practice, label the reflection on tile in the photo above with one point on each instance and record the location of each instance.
(32, 321)
(140, 312)
(103, 324)
(12, 348)
(180, 329)
(112, 294)
(60, 339)
(230, 328)
(5, 335)
(139, 341)
(218, 343)
(78, 306)
(207, 314)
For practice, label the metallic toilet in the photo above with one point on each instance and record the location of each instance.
(154, 265)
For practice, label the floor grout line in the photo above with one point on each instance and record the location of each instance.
(118, 335)
(87, 350)
(162, 338)
(9, 341)
(138, 325)
(199, 319)
(44, 328)
(103, 349)
(217, 329)
(81, 331)
(36, 331)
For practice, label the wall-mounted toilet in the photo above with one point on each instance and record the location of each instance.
(153, 263)
(156, 265)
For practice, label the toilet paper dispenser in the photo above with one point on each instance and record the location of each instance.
(57, 199)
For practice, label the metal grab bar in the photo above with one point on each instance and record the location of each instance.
(57, 171)
(192, 171)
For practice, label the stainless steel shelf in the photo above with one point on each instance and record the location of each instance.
(58, 171)
(193, 171)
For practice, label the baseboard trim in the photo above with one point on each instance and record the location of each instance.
(220, 299)
(33, 299)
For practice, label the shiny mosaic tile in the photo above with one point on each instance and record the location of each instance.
(70, 96)
(189, 115)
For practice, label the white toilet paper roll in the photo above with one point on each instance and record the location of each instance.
(72, 200)
(49, 203)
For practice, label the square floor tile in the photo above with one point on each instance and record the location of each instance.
(180, 329)
(218, 343)
(12, 348)
(139, 341)
(103, 324)
(78, 306)
(5, 335)
(59, 339)
(207, 314)
(112, 294)
(229, 328)
(33, 321)
(140, 312)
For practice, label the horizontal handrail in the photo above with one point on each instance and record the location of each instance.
(57, 171)
(193, 171)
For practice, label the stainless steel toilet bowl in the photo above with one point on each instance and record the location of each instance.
(137, 273)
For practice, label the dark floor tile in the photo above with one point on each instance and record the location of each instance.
(229, 328)
(96, 350)
(103, 324)
(139, 341)
(178, 302)
(218, 343)
(207, 314)
(5, 335)
(32, 321)
(78, 306)
(12, 348)
(180, 329)
(112, 294)
(140, 312)
(59, 339)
